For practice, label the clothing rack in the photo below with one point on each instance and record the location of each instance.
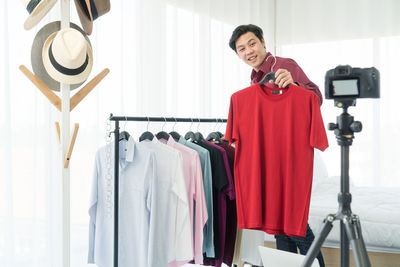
(117, 119)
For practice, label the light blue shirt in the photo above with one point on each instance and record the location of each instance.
(204, 154)
(137, 176)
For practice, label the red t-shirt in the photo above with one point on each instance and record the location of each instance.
(275, 136)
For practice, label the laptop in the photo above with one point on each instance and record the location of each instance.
(278, 258)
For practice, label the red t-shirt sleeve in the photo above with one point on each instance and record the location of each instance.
(231, 129)
(318, 138)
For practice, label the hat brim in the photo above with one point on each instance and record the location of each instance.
(38, 13)
(36, 54)
(61, 77)
(87, 23)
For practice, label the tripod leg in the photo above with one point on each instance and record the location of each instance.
(353, 230)
(319, 240)
(344, 247)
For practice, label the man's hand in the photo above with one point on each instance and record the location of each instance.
(283, 78)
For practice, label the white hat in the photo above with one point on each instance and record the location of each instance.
(37, 10)
(67, 56)
(36, 53)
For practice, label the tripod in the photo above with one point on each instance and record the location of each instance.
(350, 227)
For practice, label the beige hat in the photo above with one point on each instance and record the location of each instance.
(37, 10)
(90, 10)
(67, 56)
(36, 53)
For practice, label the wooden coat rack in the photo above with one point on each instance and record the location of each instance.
(65, 104)
(56, 100)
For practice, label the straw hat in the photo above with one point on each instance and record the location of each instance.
(36, 54)
(67, 56)
(90, 10)
(37, 9)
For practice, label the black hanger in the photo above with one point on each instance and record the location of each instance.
(162, 135)
(124, 135)
(189, 135)
(174, 134)
(198, 137)
(214, 136)
(269, 76)
(146, 135)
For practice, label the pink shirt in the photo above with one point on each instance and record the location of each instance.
(195, 189)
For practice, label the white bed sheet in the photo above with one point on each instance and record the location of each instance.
(378, 209)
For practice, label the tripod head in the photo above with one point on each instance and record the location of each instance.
(345, 126)
(345, 84)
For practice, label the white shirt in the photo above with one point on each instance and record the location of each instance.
(137, 177)
(172, 235)
(195, 191)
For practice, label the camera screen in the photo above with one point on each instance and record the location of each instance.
(345, 87)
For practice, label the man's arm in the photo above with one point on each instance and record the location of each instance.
(294, 74)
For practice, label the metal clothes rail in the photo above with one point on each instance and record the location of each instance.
(117, 119)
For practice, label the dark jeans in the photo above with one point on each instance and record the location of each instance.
(291, 243)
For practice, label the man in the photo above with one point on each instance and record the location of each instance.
(248, 43)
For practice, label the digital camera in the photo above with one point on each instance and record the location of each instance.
(345, 82)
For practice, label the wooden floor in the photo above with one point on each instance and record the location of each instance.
(378, 259)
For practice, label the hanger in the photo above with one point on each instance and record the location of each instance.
(174, 134)
(198, 136)
(218, 132)
(221, 135)
(163, 134)
(214, 136)
(124, 135)
(269, 76)
(146, 135)
(190, 134)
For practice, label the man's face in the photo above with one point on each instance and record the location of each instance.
(251, 50)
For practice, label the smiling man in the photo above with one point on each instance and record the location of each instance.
(248, 43)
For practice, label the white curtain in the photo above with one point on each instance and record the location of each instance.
(320, 35)
(167, 58)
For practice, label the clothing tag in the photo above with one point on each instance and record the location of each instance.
(276, 92)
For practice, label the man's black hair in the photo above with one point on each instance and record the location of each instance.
(242, 29)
